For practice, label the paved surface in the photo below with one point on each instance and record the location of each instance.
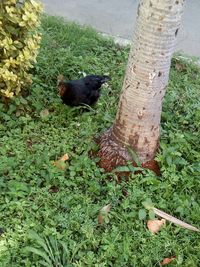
(117, 17)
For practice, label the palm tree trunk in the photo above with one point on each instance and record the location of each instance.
(137, 123)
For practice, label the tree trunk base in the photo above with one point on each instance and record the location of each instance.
(113, 155)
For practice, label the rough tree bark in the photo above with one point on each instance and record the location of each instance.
(137, 123)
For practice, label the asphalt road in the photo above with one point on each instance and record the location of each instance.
(117, 17)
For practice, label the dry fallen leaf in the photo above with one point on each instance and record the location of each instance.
(167, 260)
(103, 212)
(53, 189)
(155, 225)
(18, 113)
(174, 220)
(60, 163)
(44, 113)
(179, 67)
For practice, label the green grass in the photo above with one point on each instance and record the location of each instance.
(66, 218)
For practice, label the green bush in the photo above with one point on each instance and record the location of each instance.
(19, 44)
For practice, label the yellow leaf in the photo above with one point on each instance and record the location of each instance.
(167, 260)
(60, 163)
(38, 6)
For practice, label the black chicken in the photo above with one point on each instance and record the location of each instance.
(82, 91)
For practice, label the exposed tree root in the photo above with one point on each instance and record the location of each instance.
(113, 154)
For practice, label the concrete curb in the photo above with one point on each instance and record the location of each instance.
(118, 40)
(124, 42)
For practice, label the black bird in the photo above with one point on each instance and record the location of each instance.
(83, 91)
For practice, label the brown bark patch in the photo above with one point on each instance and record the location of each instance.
(146, 141)
(138, 10)
(138, 83)
(112, 154)
(133, 139)
(176, 32)
(153, 166)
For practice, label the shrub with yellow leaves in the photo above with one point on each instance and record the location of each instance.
(19, 43)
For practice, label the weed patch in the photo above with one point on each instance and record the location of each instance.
(49, 215)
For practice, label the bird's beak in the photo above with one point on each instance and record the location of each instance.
(106, 79)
